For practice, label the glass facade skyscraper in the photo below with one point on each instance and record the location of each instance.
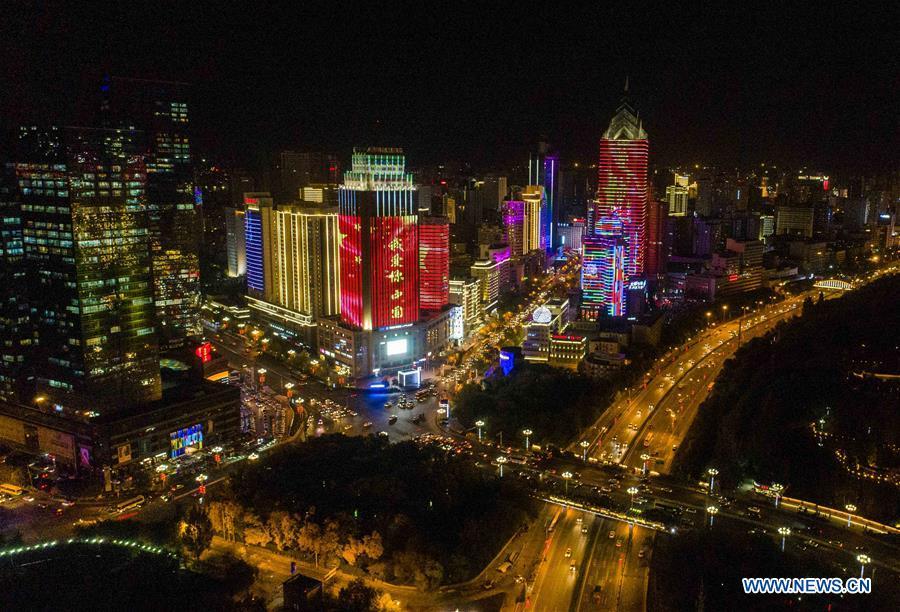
(159, 109)
(85, 230)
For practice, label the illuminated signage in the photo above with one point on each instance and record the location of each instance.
(396, 347)
(639, 284)
(732, 278)
(186, 440)
(204, 352)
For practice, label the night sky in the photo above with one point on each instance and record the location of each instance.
(735, 87)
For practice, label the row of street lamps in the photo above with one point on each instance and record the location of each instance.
(784, 532)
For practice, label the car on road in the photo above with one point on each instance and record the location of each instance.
(367, 424)
(392, 420)
(383, 434)
(619, 542)
(568, 553)
(754, 510)
(584, 529)
(612, 534)
(487, 585)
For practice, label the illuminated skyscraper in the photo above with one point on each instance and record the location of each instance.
(306, 266)
(622, 183)
(657, 214)
(534, 233)
(602, 270)
(159, 110)
(15, 330)
(86, 243)
(235, 247)
(257, 240)
(677, 196)
(543, 170)
(514, 226)
(434, 263)
(379, 248)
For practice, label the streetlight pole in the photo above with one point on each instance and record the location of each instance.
(778, 488)
(863, 561)
(712, 478)
(566, 477)
(784, 532)
(850, 510)
(584, 446)
(712, 511)
(500, 461)
(631, 491)
(479, 424)
(645, 458)
(527, 433)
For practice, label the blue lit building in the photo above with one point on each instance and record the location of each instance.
(256, 206)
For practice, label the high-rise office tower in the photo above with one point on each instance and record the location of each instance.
(15, 331)
(534, 233)
(677, 196)
(603, 269)
(622, 182)
(306, 265)
(434, 263)
(86, 236)
(379, 248)
(514, 226)
(159, 110)
(543, 170)
(257, 242)
(657, 213)
(486, 198)
(235, 247)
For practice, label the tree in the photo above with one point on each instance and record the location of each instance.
(284, 529)
(196, 531)
(225, 516)
(357, 597)
(255, 532)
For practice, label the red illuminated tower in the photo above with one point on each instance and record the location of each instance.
(622, 183)
(434, 263)
(379, 250)
(657, 213)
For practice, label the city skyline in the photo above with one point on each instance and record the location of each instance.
(372, 308)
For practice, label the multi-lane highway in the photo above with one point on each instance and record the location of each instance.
(645, 428)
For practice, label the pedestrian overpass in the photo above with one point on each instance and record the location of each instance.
(834, 284)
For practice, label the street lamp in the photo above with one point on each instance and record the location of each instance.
(645, 458)
(712, 511)
(584, 446)
(632, 491)
(712, 478)
(479, 424)
(566, 477)
(784, 532)
(863, 561)
(850, 508)
(527, 433)
(777, 488)
(724, 311)
(501, 460)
